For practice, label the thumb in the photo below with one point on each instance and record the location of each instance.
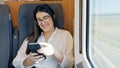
(44, 44)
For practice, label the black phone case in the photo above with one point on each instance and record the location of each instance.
(33, 47)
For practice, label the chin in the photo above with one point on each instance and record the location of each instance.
(46, 30)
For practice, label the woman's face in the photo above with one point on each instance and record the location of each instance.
(45, 21)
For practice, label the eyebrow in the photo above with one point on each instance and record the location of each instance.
(44, 16)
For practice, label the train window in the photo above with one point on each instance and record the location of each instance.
(103, 34)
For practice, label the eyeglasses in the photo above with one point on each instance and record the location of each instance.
(45, 19)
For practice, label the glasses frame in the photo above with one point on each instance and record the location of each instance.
(45, 19)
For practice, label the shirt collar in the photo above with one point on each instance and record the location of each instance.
(56, 31)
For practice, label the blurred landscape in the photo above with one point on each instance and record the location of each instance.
(106, 40)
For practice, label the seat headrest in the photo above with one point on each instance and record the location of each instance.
(25, 18)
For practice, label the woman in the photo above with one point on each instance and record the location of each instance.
(56, 44)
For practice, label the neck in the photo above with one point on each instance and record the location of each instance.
(48, 34)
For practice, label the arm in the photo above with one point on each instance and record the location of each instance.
(68, 59)
(58, 55)
(21, 56)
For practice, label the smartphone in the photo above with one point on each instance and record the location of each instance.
(33, 47)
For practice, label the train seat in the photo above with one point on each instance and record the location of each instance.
(5, 37)
(25, 19)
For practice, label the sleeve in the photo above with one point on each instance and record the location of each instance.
(21, 56)
(68, 59)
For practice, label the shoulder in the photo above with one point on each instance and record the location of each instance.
(63, 32)
(25, 41)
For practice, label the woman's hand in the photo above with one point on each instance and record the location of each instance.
(36, 58)
(33, 58)
(46, 49)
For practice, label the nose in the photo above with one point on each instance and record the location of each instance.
(42, 22)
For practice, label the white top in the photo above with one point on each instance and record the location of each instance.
(61, 40)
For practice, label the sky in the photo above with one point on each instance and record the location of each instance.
(105, 6)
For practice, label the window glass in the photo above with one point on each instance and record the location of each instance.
(104, 33)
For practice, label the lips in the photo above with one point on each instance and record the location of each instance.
(45, 25)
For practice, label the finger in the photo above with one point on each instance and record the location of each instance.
(41, 50)
(35, 60)
(39, 60)
(38, 56)
(44, 44)
(32, 54)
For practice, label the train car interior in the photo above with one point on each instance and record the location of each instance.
(16, 21)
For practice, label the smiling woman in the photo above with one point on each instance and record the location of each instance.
(60, 42)
(49, 37)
